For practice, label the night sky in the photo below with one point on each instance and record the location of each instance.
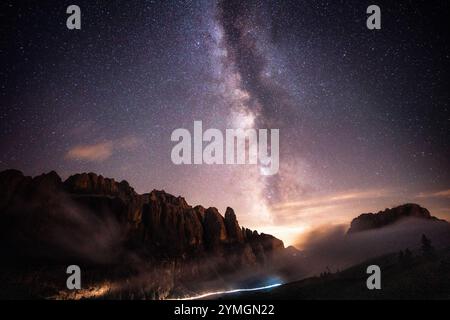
(364, 115)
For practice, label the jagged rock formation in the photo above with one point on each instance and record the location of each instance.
(368, 221)
(99, 221)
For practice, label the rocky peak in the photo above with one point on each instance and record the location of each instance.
(9, 179)
(232, 226)
(368, 221)
(163, 197)
(49, 180)
(91, 183)
(270, 243)
(200, 210)
(6, 175)
(214, 226)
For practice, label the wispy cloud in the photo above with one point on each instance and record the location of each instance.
(331, 199)
(438, 194)
(101, 151)
(328, 208)
(91, 152)
(127, 143)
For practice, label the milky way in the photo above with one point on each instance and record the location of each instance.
(363, 115)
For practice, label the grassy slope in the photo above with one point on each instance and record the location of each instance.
(418, 278)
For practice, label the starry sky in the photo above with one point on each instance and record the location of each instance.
(364, 115)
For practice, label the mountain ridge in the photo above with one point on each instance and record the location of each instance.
(156, 212)
(389, 216)
(166, 245)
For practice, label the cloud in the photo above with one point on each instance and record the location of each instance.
(331, 246)
(127, 143)
(333, 198)
(438, 194)
(322, 207)
(91, 152)
(102, 151)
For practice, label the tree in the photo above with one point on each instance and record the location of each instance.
(408, 256)
(427, 248)
(405, 257)
(401, 256)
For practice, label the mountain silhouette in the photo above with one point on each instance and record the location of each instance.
(101, 223)
(368, 221)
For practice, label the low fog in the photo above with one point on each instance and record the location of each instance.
(330, 248)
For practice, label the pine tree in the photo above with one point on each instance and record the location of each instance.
(427, 248)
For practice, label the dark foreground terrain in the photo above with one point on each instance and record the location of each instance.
(415, 277)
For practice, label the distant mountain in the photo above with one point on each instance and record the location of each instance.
(369, 221)
(411, 247)
(330, 249)
(116, 233)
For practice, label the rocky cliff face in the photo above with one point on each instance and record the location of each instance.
(368, 221)
(166, 224)
(97, 221)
